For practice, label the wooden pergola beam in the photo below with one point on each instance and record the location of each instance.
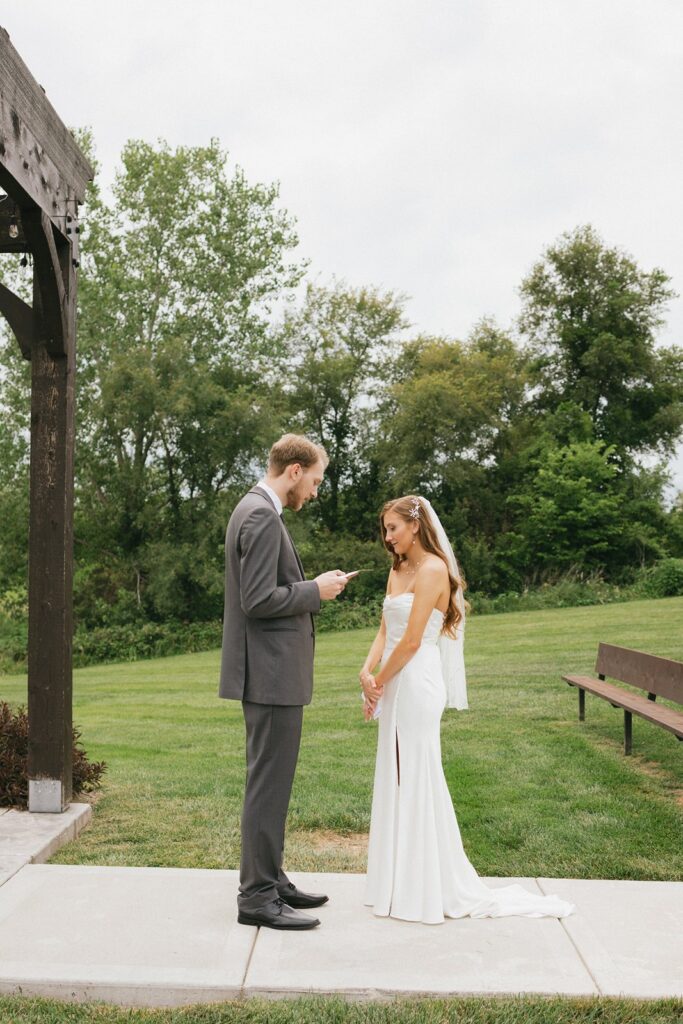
(41, 163)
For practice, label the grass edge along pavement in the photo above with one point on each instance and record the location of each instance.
(470, 1010)
(536, 792)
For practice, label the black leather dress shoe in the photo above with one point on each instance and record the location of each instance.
(294, 897)
(277, 914)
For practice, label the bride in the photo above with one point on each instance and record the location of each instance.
(417, 867)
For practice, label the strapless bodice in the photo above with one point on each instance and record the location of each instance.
(396, 615)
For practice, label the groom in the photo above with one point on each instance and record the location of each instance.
(267, 663)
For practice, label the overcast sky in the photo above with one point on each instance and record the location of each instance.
(432, 148)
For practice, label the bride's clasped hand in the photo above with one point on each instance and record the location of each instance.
(371, 692)
(417, 867)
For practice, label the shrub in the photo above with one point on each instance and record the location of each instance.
(570, 591)
(87, 774)
(146, 640)
(340, 615)
(14, 603)
(665, 579)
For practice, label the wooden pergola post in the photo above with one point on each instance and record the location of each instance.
(45, 174)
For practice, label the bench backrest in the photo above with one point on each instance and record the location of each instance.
(660, 676)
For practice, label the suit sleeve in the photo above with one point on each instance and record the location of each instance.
(260, 595)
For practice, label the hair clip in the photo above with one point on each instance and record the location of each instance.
(414, 512)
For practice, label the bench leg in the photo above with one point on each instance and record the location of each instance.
(582, 705)
(628, 732)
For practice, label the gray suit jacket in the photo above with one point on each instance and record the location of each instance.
(268, 628)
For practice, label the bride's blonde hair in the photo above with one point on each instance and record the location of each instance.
(411, 509)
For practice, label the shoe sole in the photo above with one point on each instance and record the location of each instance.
(244, 919)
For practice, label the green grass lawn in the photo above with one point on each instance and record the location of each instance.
(536, 792)
(534, 1010)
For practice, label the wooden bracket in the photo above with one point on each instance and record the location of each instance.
(20, 317)
(53, 319)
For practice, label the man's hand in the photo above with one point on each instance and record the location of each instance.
(331, 584)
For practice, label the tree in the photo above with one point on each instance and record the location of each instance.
(570, 515)
(578, 510)
(591, 316)
(339, 345)
(446, 427)
(179, 277)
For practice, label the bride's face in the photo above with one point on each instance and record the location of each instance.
(398, 534)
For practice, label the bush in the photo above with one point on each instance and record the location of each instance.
(665, 579)
(147, 640)
(342, 615)
(14, 603)
(86, 776)
(569, 592)
(323, 550)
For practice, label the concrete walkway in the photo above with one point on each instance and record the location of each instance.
(169, 936)
(34, 838)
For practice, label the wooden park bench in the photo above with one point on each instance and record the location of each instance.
(660, 677)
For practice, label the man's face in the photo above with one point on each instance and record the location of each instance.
(305, 484)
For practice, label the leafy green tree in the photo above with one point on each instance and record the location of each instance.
(570, 515)
(180, 273)
(339, 344)
(591, 315)
(446, 428)
(578, 511)
(449, 402)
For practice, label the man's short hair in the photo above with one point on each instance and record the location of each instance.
(293, 448)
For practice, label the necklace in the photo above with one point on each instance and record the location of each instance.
(411, 572)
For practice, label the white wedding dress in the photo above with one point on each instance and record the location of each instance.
(417, 867)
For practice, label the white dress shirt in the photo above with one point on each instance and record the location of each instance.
(272, 495)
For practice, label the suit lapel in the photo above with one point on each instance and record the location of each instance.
(296, 553)
(298, 561)
(262, 494)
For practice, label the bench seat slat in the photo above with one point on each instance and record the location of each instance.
(666, 717)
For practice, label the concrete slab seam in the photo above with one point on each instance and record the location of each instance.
(248, 963)
(5, 876)
(578, 951)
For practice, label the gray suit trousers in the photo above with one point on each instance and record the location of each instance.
(273, 738)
